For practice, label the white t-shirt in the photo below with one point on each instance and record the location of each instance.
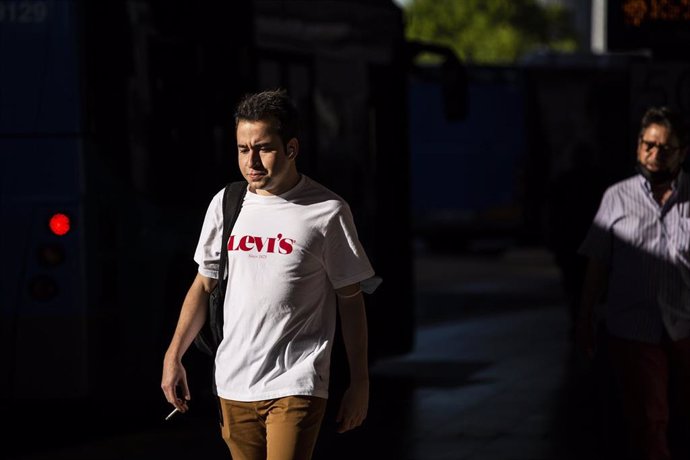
(286, 256)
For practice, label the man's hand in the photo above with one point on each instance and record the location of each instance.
(174, 384)
(353, 407)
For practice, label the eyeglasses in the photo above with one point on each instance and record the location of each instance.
(662, 148)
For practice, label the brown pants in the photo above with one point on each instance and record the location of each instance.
(275, 429)
(654, 380)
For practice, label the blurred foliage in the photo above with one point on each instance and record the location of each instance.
(491, 31)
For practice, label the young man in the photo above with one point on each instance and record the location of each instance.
(639, 257)
(293, 255)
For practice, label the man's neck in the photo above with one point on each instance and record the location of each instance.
(662, 192)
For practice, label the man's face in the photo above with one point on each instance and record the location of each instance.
(658, 150)
(262, 158)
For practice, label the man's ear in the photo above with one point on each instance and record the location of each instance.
(292, 148)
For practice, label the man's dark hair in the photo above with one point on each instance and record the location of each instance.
(668, 118)
(274, 106)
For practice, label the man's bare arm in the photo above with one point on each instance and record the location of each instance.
(191, 319)
(353, 319)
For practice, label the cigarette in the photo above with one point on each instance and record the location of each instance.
(172, 413)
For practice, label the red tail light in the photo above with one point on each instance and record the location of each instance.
(59, 224)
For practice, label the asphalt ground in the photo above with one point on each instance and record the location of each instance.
(492, 376)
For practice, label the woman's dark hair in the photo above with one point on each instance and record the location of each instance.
(274, 106)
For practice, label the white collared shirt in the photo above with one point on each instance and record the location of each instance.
(647, 249)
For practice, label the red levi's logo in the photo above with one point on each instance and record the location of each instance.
(260, 244)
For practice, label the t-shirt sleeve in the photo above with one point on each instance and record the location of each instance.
(598, 241)
(207, 253)
(344, 257)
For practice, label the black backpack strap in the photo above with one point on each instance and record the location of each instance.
(233, 196)
(211, 332)
(232, 204)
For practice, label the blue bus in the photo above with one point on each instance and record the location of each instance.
(42, 179)
(115, 131)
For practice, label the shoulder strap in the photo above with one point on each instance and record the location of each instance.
(232, 203)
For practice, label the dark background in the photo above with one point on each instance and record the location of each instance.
(119, 114)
